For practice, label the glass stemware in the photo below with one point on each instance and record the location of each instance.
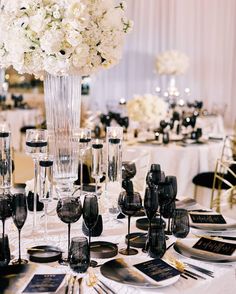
(5, 212)
(36, 146)
(19, 215)
(5, 157)
(69, 210)
(97, 162)
(151, 204)
(90, 212)
(46, 185)
(180, 223)
(79, 255)
(84, 144)
(129, 205)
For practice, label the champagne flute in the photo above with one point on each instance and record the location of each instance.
(97, 161)
(36, 146)
(19, 215)
(129, 204)
(69, 210)
(84, 145)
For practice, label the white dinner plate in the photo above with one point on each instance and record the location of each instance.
(122, 271)
(229, 226)
(184, 248)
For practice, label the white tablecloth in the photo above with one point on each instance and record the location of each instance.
(18, 118)
(224, 281)
(182, 162)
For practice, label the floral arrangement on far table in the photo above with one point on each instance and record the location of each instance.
(148, 109)
(172, 62)
(61, 36)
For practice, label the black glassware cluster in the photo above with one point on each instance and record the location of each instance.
(129, 201)
(160, 195)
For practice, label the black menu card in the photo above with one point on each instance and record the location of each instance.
(207, 218)
(157, 269)
(214, 246)
(44, 283)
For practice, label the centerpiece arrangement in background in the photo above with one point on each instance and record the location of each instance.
(148, 110)
(65, 39)
(172, 63)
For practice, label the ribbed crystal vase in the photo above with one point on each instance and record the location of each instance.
(63, 103)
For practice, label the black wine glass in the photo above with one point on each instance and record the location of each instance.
(79, 254)
(151, 205)
(165, 196)
(129, 205)
(180, 223)
(5, 212)
(19, 215)
(90, 215)
(90, 212)
(69, 210)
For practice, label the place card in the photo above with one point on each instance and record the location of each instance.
(214, 246)
(207, 218)
(157, 269)
(44, 283)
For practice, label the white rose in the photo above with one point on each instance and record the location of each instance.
(74, 38)
(51, 41)
(37, 22)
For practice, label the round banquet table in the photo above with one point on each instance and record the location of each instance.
(18, 118)
(224, 280)
(182, 162)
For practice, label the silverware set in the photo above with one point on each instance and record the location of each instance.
(103, 287)
(200, 269)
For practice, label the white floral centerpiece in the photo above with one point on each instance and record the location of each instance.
(172, 62)
(148, 109)
(61, 36)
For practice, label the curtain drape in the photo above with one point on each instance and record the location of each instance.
(203, 29)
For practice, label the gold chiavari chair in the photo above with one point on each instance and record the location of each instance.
(224, 184)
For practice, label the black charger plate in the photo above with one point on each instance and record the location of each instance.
(44, 254)
(103, 249)
(137, 240)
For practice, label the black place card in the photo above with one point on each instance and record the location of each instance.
(157, 269)
(214, 246)
(44, 283)
(207, 218)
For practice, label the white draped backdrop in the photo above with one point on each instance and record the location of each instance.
(204, 29)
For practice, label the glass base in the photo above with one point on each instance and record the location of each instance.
(130, 251)
(64, 261)
(19, 261)
(93, 263)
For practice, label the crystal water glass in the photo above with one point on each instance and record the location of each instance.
(84, 145)
(36, 146)
(46, 185)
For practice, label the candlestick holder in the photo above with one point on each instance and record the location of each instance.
(114, 167)
(5, 158)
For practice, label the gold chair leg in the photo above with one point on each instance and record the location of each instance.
(195, 192)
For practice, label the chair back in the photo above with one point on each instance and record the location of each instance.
(224, 184)
(229, 148)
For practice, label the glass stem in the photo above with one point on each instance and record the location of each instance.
(46, 219)
(168, 227)
(3, 239)
(96, 186)
(89, 237)
(128, 241)
(35, 193)
(19, 259)
(69, 226)
(81, 174)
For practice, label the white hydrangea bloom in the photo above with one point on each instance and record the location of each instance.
(61, 36)
(147, 108)
(172, 62)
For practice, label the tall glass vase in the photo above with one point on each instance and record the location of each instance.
(63, 104)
